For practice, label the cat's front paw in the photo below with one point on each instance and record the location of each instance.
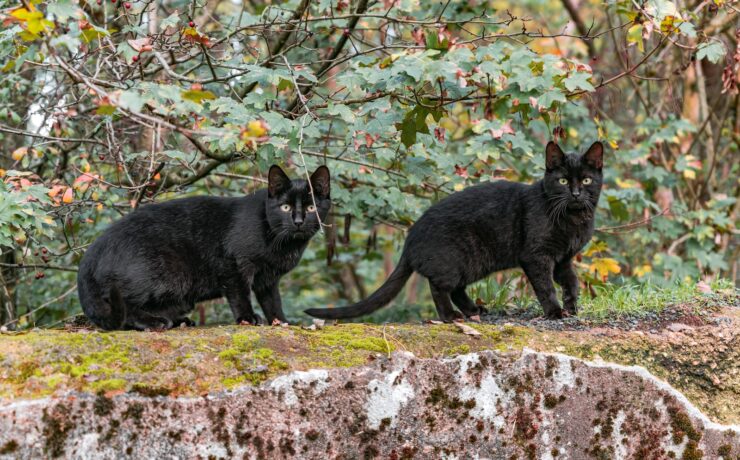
(554, 314)
(571, 309)
(252, 320)
(184, 322)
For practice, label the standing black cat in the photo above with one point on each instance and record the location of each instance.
(149, 269)
(495, 226)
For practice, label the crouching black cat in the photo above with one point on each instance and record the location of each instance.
(149, 269)
(495, 226)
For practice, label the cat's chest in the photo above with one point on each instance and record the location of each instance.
(282, 261)
(577, 239)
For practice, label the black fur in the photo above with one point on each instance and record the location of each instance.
(496, 226)
(149, 269)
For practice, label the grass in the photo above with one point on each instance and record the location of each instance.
(640, 299)
(609, 301)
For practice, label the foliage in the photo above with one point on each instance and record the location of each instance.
(105, 106)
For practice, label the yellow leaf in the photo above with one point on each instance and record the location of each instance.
(634, 35)
(628, 183)
(458, 187)
(19, 153)
(604, 265)
(256, 128)
(643, 270)
(595, 247)
(614, 145)
(2, 172)
(197, 96)
(689, 174)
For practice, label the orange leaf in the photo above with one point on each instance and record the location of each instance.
(141, 44)
(69, 196)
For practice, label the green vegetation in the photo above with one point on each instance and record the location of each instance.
(106, 106)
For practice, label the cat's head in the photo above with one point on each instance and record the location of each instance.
(291, 210)
(573, 182)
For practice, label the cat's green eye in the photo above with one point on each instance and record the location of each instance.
(285, 208)
(311, 208)
(587, 181)
(563, 181)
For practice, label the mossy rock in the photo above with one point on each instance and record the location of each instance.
(196, 361)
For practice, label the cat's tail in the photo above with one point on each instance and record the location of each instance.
(116, 315)
(377, 299)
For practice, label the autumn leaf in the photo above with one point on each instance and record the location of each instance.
(141, 44)
(460, 171)
(255, 129)
(198, 95)
(643, 270)
(193, 36)
(68, 196)
(19, 153)
(603, 266)
(504, 129)
(467, 330)
(32, 19)
(594, 248)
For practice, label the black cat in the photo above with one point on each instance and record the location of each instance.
(149, 269)
(495, 226)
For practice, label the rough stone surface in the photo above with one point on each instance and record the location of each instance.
(525, 405)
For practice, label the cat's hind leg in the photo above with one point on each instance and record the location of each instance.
(443, 304)
(465, 303)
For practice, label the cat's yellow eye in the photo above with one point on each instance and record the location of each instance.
(285, 208)
(563, 181)
(311, 208)
(587, 181)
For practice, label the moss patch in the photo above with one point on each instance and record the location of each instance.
(193, 361)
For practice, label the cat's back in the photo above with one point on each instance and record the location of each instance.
(482, 199)
(184, 224)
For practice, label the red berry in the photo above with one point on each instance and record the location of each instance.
(191, 24)
(345, 32)
(99, 2)
(101, 157)
(39, 275)
(44, 250)
(135, 58)
(113, 1)
(127, 5)
(36, 253)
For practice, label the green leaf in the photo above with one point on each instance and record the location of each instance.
(578, 80)
(713, 51)
(341, 110)
(170, 21)
(131, 100)
(62, 9)
(618, 208)
(408, 130)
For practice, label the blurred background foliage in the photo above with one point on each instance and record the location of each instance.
(107, 105)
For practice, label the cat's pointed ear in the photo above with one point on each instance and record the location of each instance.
(277, 181)
(320, 181)
(594, 157)
(554, 157)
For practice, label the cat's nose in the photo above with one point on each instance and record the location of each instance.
(576, 193)
(298, 221)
